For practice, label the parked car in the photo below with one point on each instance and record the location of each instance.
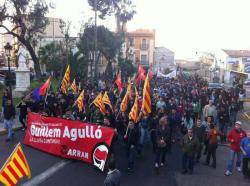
(215, 86)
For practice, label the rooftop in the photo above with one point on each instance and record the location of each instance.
(237, 53)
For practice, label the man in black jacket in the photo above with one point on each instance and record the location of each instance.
(200, 134)
(9, 115)
(114, 175)
(131, 138)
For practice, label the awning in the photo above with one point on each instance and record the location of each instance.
(240, 73)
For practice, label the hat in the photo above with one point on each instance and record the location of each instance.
(238, 122)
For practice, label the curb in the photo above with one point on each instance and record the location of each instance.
(2, 132)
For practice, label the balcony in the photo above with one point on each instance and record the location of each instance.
(144, 46)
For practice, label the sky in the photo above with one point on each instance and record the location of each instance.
(183, 26)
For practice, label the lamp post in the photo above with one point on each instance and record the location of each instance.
(8, 49)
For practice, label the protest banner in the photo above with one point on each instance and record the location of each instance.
(69, 139)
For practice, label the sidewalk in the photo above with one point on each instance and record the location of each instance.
(208, 176)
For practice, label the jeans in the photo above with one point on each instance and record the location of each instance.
(131, 152)
(246, 167)
(231, 160)
(144, 134)
(160, 155)
(8, 126)
(187, 163)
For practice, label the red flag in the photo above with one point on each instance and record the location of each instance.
(150, 74)
(118, 81)
(141, 74)
(44, 87)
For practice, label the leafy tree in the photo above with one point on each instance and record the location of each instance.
(126, 67)
(123, 10)
(28, 21)
(51, 56)
(108, 44)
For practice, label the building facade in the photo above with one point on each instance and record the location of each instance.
(163, 59)
(52, 33)
(234, 64)
(139, 47)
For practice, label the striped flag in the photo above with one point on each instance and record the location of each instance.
(79, 101)
(133, 115)
(146, 100)
(15, 168)
(66, 80)
(74, 87)
(124, 103)
(106, 100)
(99, 103)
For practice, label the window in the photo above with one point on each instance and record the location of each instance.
(144, 44)
(144, 59)
(131, 42)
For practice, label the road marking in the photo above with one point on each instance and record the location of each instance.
(46, 174)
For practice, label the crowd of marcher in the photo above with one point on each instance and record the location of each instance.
(184, 111)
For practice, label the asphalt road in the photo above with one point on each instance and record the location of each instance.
(49, 170)
(79, 173)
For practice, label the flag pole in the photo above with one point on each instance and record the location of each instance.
(46, 94)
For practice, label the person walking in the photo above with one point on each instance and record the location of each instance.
(210, 110)
(9, 114)
(114, 175)
(23, 112)
(212, 145)
(234, 137)
(162, 140)
(131, 139)
(245, 148)
(189, 147)
(200, 133)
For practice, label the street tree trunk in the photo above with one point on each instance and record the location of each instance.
(33, 56)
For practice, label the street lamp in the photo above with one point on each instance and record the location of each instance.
(8, 49)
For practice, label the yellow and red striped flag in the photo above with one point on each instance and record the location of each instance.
(79, 101)
(99, 103)
(133, 115)
(106, 100)
(124, 103)
(66, 80)
(74, 87)
(15, 168)
(146, 100)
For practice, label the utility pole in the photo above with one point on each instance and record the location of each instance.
(95, 41)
